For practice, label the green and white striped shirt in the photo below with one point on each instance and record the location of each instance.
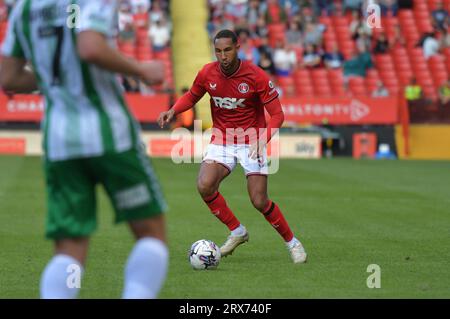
(85, 112)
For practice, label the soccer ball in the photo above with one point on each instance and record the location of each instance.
(204, 254)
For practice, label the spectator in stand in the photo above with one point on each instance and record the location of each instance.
(236, 9)
(398, 41)
(358, 65)
(444, 94)
(241, 26)
(160, 35)
(285, 59)
(217, 9)
(138, 5)
(294, 34)
(261, 29)
(388, 8)
(127, 32)
(413, 92)
(141, 20)
(157, 13)
(125, 15)
(313, 34)
(311, 57)
(440, 17)
(291, 7)
(381, 44)
(266, 63)
(254, 11)
(352, 5)
(323, 7)
(380, 90)
(299, 19)
(246, 50)
(430, 45)
(265, 48)
(360, 30)
(444, 39)
(221, 23)
(333, 59)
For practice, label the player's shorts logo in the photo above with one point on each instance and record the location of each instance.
(243, 88)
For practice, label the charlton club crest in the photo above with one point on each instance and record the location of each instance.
(243, 88)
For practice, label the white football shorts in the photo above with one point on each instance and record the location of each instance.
(230, 155)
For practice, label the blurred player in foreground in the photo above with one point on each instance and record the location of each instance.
(90, 138)
(240, 91)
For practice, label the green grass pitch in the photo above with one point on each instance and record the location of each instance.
(349, 214)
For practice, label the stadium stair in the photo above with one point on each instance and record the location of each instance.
(191, 48)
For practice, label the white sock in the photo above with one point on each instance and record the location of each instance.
(292, 242)
(146, 269)
(61, 278)
(240, 231)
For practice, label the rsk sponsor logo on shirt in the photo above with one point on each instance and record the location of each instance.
(228, 102)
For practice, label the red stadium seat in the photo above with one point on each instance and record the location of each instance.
(340, 21)
(405, 14)
(372, 74)
(335, 75)
(323, 90)
(304, 73)
(305, 90)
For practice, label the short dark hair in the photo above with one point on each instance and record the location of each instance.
(228, 34)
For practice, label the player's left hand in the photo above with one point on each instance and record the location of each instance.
(257, 149)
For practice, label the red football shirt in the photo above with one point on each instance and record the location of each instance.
(237, 100)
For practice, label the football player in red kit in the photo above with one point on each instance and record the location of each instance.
(240, 91)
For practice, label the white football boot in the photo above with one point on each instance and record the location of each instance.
(298, 253)
(231, 243)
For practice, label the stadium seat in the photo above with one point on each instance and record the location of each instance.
(128, 49)
(371, 84)
(286, 83)
(340, 21)
(373, 74)
(305, 90)
(322, 90)
(405, 14)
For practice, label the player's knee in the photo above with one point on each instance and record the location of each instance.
(149, 227)
(206, 188)
(259, 202)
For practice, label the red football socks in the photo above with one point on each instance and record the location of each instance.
(273, 215)
(219, 208)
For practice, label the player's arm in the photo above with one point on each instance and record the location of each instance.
(187, 101)
(93, 48)
(276, 120)
(16, 76)
(268, 95)
(184, 103)
(96, 27)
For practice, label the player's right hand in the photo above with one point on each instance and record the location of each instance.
(152, 73)
(165, 117)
